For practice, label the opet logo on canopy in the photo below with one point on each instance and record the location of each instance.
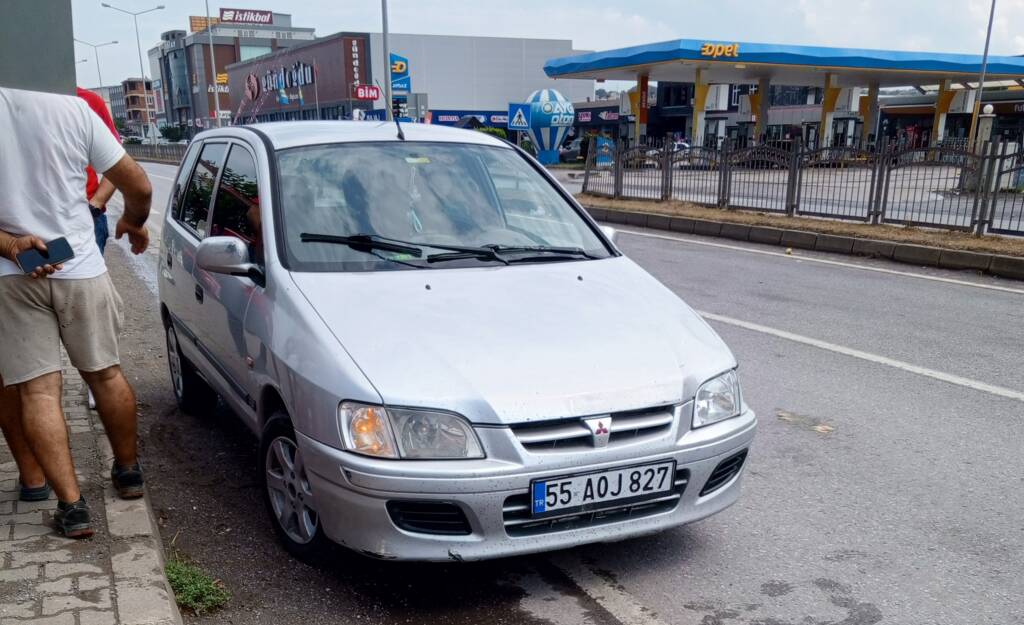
(560, 113)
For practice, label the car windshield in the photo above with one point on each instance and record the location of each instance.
(420, 194)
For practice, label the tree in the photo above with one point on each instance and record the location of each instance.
(122, 125)
(172, 133)
(601, 94)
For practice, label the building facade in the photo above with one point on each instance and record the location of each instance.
(138, 104)
(313, 80)
(190, 93)
(446, 79)
(113, 96)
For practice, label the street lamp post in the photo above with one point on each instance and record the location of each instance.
(981, 79)
(145, 92)
(95, 48)
(387, 59)
(213, 64)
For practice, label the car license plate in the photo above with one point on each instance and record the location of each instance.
(591, 491)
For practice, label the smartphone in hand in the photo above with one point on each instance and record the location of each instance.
(57, 251)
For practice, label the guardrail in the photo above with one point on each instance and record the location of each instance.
(946, 185)
(166, 153)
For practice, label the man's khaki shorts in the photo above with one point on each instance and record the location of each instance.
(37, 315)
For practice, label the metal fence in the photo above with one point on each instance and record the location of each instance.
(166, 153)
(946, 185)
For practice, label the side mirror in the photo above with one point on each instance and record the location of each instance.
(227, 255)
(610, 232)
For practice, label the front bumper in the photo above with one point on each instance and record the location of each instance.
(352, 492)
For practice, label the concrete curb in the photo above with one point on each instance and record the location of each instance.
(996, 264)
(144, 596)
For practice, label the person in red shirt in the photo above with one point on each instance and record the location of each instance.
(99, 191)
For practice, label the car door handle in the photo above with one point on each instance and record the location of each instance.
(199, 294)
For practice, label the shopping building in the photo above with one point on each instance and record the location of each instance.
(436, 78)
(189, 92)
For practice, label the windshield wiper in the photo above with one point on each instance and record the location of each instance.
(459, 253)
(542, 249)
(362, 243)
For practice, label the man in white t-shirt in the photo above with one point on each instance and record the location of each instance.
(46, 143)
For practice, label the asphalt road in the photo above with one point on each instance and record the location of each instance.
(886, 484)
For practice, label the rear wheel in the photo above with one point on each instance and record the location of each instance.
(194, 395)
(287, 491)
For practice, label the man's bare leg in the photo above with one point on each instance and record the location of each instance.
(42, 421)
(115, 402)
(30, 474)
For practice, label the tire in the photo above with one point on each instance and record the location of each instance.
(193, 394)
(287, 491)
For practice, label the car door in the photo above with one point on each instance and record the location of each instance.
(235, 213)
(182, 233)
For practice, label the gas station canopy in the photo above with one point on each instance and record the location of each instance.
(747, 63)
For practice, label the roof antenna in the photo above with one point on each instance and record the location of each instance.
(401, 135)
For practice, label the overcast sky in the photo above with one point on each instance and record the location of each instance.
(931, 25)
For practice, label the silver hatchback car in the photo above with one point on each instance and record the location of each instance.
(444, 356)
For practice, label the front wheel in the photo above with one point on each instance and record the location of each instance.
(287, 491)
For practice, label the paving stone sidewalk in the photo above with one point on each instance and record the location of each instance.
(114, 578)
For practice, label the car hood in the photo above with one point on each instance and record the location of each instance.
(521, 343)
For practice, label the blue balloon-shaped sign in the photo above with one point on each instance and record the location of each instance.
(551, 116)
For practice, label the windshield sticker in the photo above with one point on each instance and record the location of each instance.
(417, 160)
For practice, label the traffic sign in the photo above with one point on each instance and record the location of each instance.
(518, 116)
(367, 92)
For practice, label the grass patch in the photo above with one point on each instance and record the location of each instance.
(949, 239)
(193, 589)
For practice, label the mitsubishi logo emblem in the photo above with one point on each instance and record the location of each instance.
(600, 430)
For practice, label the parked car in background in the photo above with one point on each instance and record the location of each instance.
(571, 152)
(443, 356)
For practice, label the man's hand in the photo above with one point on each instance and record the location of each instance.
(138, 236)
(17, 245)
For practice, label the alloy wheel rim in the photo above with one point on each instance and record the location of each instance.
(290, 494)
(174, 361)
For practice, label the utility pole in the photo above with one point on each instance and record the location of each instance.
(981, 79)
(387, 61)
(213, 65)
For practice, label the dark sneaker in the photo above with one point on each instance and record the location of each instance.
(36, 493)
(73, 519)
(128, 481)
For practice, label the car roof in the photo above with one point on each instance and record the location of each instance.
(292, 134)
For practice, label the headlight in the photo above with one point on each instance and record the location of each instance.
(404, 433)
(717, 399)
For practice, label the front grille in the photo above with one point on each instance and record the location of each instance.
(429, 517)
(518, 522)
(573, 434)
(725, 471)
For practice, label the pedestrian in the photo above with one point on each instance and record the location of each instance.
(47, 142)
(97, 191)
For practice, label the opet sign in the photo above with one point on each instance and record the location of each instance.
(552, 114)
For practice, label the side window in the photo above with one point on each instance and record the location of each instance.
(182, 180)
(236, 209)
(195, 210)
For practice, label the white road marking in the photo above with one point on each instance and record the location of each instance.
(159, 176)
(605, 592)
(869, 357)
(825, 261)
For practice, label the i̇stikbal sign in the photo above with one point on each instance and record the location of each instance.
(246, 16)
